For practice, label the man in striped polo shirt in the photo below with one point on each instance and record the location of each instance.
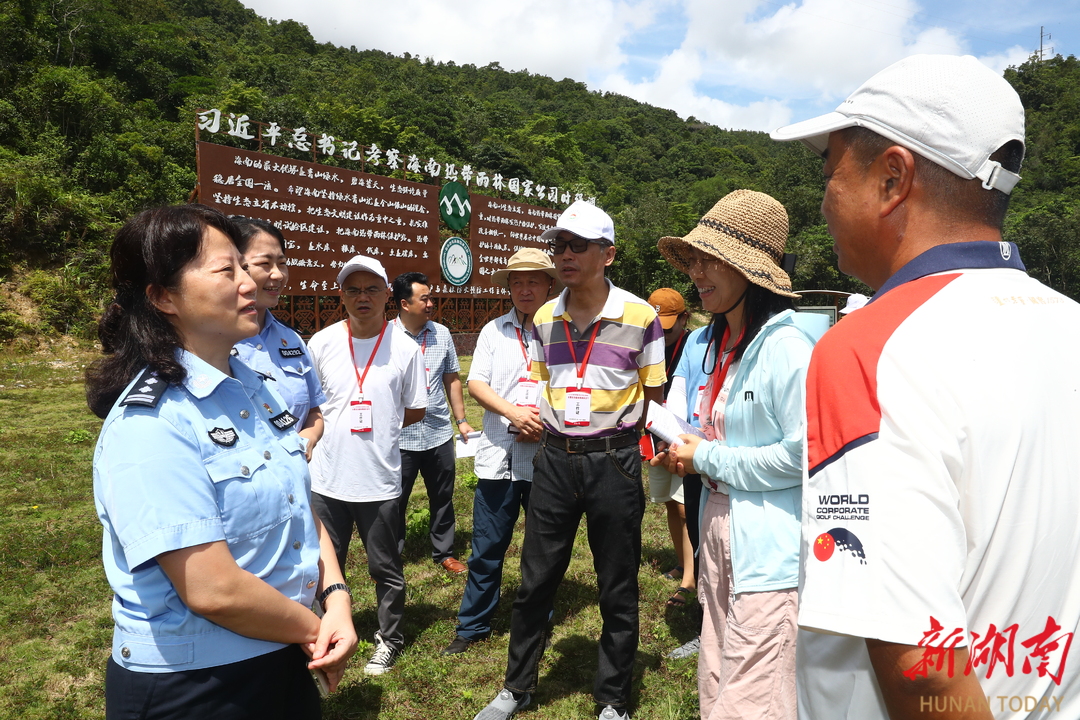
(599, 352)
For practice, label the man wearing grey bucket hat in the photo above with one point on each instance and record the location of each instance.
(940, 546)
(499, 381)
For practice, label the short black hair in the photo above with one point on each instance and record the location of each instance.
(949, 192)
(403, 283)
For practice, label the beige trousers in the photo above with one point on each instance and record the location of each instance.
(746, 665)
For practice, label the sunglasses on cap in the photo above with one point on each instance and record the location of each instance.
(577, 245)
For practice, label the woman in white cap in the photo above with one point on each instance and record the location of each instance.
(751, 410)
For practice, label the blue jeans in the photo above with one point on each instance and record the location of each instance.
(606, 486)
(496, 506)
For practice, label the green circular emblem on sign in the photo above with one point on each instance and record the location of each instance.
(456, 261)
(454, 207)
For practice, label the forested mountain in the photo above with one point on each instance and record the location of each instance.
(97, 101)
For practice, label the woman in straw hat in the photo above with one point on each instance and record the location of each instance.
(751, 410)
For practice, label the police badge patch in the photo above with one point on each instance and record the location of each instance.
(225, 437)
(284, 421)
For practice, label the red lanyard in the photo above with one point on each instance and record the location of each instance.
(371, 360)
(528, 362)
(588, 351)
(725, 365)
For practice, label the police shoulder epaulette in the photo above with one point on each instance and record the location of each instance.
(146, 391)
(265, 377)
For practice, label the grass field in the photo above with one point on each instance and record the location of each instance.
(55, 627)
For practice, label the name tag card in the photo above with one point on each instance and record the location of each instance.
(578, 407)
(528, 393)
(360, 416)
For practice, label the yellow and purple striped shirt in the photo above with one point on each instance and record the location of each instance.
(627, 356)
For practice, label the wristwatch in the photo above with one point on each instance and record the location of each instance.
(333, 588)
(459, 421)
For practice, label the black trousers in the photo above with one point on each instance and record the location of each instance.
(606, 487)
(275, 686)
(437, 467)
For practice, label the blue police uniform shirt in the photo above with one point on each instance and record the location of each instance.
(212, 458)
(279, 352)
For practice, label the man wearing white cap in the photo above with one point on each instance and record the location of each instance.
(941, 549)
(598, 353)
(855, 301)
(499, 380)
(374, 380)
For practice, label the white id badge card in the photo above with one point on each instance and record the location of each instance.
(360, 411)
(578, 407)
(528, 392)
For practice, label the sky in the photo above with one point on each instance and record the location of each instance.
(739, 64)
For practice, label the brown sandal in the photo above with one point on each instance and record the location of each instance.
(680, 597)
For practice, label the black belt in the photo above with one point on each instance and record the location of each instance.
(586, 445)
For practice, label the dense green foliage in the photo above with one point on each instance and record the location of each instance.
(97, 101)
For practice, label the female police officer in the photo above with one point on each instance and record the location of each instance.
(210, 544)
(277, 350)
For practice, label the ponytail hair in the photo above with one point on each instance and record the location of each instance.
(147, 256)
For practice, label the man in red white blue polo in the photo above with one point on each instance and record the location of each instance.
(941, 547)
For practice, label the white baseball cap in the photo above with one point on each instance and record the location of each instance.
(855, 301)
(950, 109)
(362, 263)
(584, 220)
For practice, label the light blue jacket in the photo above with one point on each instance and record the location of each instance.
(761, 458)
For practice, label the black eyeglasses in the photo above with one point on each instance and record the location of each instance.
(577, 245)
(368, 292)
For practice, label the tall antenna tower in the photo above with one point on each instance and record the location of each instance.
(1043, 35)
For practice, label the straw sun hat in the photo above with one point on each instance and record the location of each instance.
(746, 230)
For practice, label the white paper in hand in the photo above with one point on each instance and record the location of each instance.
(463, 449)
(668, 426)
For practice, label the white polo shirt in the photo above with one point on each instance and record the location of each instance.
(941, 504)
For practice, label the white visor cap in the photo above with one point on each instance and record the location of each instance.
(950, 109)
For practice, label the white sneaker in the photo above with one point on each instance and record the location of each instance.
(611, 713)
(383, 658)
(689, 649)
(503, 706)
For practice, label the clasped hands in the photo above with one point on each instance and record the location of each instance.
(336, 642)
(527, 421)
(680, 459)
